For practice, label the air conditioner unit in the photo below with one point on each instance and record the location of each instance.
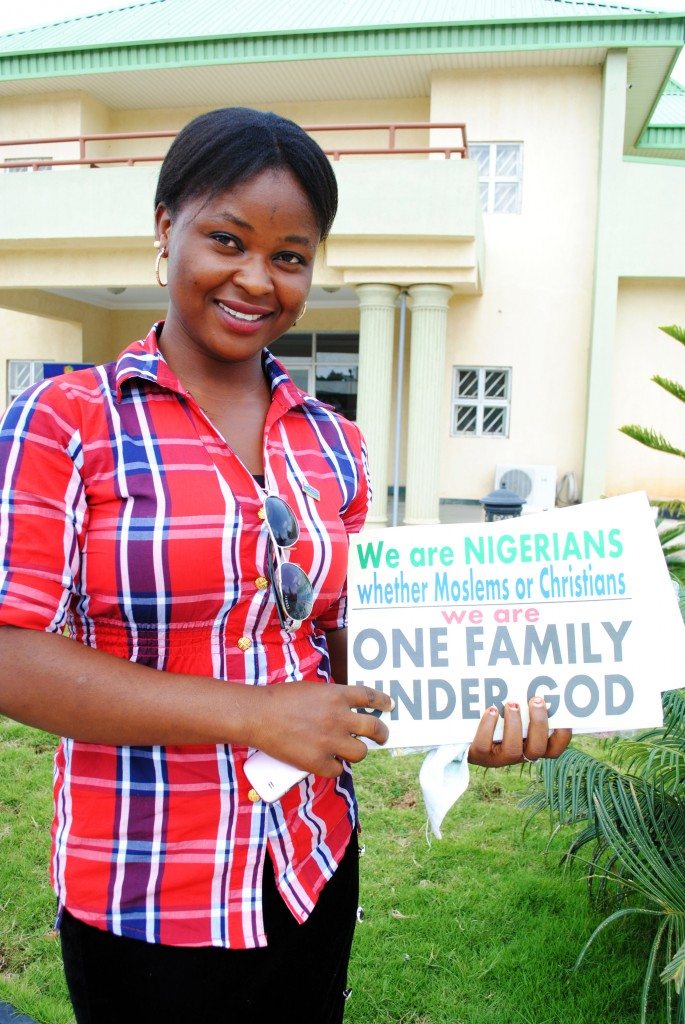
(537, 485)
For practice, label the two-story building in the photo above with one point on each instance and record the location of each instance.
(510, 234)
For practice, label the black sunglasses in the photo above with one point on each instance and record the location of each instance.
(293, 591)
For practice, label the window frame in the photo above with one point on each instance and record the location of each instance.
(480, 402)
(14, 392)
(492, 178)
(310, 362)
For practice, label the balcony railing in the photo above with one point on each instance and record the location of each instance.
(456, 148)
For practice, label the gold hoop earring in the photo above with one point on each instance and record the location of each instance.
(161, 255)
(304, 310)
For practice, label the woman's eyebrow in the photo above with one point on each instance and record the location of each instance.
(233, 218)
(300, 240)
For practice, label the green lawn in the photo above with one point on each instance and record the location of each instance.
(481, 927)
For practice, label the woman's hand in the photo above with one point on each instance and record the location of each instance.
(315, 728)
(513, 749)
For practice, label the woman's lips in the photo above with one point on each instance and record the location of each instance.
(243, 317)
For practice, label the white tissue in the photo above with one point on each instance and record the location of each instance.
(443, 778)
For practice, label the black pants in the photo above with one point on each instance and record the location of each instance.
(300, 976)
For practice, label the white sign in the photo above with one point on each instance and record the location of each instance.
(574, 604)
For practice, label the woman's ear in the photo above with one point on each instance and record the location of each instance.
(162, 226)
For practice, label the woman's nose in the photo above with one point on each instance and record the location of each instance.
(254, 276)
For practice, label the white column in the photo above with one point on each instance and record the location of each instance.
(605, 286)
(374, 397)
(426, 428)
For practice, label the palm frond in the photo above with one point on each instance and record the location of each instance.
(667, 534)
(625, 912)
(570, 784)
(649, 971)
(674, 712)
(672, 508)
(673, 553)
(676, 568)
(652, 439)
(658, 755)
(659, 761)
(672, 386)
(647, 835)
(674, 331)
(673, 703)
(675, 969)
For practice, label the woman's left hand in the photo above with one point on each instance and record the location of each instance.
(513, 748)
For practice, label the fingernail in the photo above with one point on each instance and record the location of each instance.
(392, 703)
(513, 707)
(538, 700)
(493, 711)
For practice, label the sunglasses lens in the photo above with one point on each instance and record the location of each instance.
(282, 522)
(294, 589)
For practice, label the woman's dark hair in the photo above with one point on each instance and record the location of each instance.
(223, 148)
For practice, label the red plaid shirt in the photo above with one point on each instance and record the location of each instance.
(126, 519)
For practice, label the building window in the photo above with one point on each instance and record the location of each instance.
(324, 364)
(500, 170)
(480, 401)
(21, 374)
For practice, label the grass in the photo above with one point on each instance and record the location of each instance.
(30, 966)
(481, 926)
(478, 928)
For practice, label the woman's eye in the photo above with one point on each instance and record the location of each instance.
(293, 258)
(230, 241)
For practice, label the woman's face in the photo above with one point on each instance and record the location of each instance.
(240, 268)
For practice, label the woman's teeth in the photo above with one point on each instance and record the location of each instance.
(241, 316)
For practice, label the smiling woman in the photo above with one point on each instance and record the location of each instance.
(182, 514)
(136, 506)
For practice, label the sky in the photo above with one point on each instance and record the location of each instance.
(40, 12)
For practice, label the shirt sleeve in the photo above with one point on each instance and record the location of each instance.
(42, 511)
(353, 517)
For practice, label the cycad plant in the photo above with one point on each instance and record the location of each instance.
(631, 804)
(632, 807)
(670, 534)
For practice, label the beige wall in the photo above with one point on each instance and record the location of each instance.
(642, 350)
(51, 116)
(95, 343)
(318, 319)
(648, 240)
(128, 325)
(534, 314)
(330, 112)
(28, 117)
(32, 337)
(48, 114)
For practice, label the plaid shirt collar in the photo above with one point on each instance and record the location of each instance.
(142, 360)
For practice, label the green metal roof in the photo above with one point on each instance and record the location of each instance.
(670, 111)
(166, 20)
(666, 131)
(175, 33)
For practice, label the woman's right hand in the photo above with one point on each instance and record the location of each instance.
(314, 727)
(57, 684)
